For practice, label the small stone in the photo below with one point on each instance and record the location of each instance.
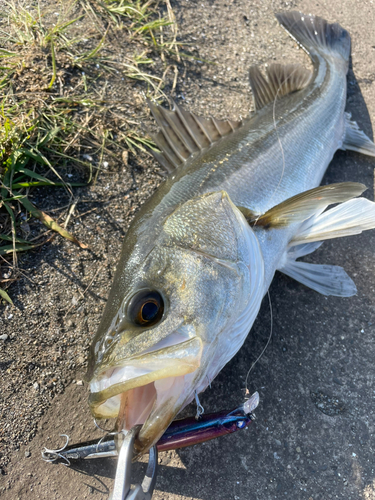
(4, 336)
(298, 449)
(27, 454)
(36, 385)
(79, 382)
(125, 157)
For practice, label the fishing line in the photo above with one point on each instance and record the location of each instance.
(107, 431)
(274, 118)
(265, 347)
(277, 133)
(278, 139)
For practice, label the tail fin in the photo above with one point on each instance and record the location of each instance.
(316, 35)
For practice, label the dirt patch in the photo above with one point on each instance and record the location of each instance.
(320, 346)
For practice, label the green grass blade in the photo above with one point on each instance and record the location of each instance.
(8, 249)
(19, 185)
(90, 55)
(7, 53)
(33, 175)
(50, 135)
(5, 296)
(37, 157)
(53, 64)
(5, 237)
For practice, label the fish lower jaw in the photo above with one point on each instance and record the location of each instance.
(133, 406)
(143, 381)
(153, 406)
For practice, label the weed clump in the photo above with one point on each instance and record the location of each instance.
(60, 115)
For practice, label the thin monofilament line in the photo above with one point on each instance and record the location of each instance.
(279, 141)
(265, 347)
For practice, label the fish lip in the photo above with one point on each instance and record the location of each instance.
(166, 366)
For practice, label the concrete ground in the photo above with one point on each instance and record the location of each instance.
(314, 433)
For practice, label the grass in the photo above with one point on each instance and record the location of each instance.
(55, 109)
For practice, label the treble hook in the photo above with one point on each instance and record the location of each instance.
(52, 455)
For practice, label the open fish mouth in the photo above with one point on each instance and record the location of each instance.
(147, 388)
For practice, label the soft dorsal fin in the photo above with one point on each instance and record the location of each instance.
(281, 80)
(304, 205)
(182, 134)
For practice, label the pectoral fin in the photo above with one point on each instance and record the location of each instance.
(349, 218)
(356, 139)
(304, 205)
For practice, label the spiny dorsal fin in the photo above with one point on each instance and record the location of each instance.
(304, 205)
(281, 80)
(183, 134)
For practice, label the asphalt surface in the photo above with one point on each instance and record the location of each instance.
(314, 433)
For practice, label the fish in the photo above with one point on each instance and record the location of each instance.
(241, 200)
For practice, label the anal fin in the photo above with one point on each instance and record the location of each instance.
(356, 139)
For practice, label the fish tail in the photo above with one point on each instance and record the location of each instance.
(316, 35)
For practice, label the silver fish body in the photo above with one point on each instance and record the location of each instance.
(193, 271)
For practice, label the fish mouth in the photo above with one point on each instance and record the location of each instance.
(147, 389)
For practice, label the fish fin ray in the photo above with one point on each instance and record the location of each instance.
(347, 219)
(163, 161)
(183, 134)
(356, 139)
(281, 80)
(324, 279)
(315, 34)
(306, 204)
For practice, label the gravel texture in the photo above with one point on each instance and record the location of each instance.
(314, 433)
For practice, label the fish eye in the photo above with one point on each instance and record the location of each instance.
(146, 308)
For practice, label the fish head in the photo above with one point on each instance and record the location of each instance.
(170, 322)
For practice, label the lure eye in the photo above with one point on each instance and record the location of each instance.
(146, 308)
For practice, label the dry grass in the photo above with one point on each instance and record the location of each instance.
(57, 112)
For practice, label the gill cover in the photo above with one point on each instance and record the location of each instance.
(207, 266)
